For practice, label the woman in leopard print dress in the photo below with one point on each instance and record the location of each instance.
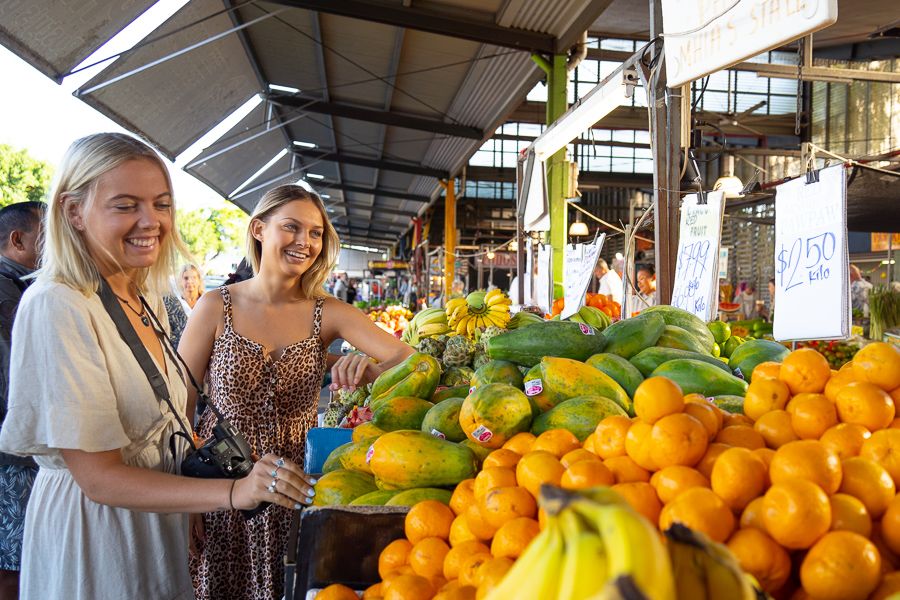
(261, 346)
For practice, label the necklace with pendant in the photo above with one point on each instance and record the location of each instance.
(142, 314)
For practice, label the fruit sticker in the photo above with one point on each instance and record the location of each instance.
(586, 329)
(738, 373)
(533, 387)
(438, 434)
(482, 434)
(369, 453)
(471, 389)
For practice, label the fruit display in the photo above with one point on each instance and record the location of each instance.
(836, 352)
(426, 323)
(477, 311)
(393, 318)
(601, 302)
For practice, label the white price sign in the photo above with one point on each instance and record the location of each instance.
(543, 278)
(579, 268)
(812, 285)
(696, 288)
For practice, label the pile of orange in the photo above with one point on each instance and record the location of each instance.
(602, 302)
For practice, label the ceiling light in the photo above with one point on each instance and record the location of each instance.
(579, 228)
(304, 144)
(513, 246)
(490, 255)
(283, 88)
(728, 183)
(324, 196)
(315, 176)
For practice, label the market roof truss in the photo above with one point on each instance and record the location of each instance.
(363, 161)
(385, 193)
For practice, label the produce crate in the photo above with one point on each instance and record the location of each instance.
(338, 544)
(320, 441)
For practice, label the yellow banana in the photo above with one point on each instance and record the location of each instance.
(707, 566)
(535, 575)
(690, 579)
(584, 566)
(622, 587)
(433, 329)
(490, 319)
(500, 298)
(454, 303)
(458, 313)
(470, 326)
(462, 324)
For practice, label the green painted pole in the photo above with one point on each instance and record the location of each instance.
(557, 171)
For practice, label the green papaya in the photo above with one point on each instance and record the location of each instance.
(333, 461)
(459, 391)
(538, 395)
(579, 415)
(342, 487)
(682, 318)
(528, 345)
(677, 337)
(749, 354)
(416, 495)
(443, 420)
(648, 360)
(411, 459)
(416, 376)
(698, 377)
(354, 459)
(565, 378)
(733, 404)
(629, 336)
(403, 412)
(622, 371)
(497, 371)
(480, 451)
(376, 498)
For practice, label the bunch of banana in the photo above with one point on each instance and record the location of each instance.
(704, 569)
(524, 319)
(426, 323)
(594, 317)
(477, 311)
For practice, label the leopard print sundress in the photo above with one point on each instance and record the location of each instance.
(274, 404)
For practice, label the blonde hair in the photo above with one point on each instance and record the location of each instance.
(190, 267)
(65, 256)
(312, 283)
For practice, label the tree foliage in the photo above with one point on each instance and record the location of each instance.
(209, 232)
(22, 177)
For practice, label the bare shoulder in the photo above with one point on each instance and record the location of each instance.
(209, 308)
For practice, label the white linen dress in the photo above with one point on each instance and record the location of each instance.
(76, 385)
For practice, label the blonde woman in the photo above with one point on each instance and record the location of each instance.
(189, 288)
(261, 344)
(106, 515)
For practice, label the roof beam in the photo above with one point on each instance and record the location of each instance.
(362, 161)
(348, 217)
(432, 21)
(359, 189)
(380, 210)
(369, 115)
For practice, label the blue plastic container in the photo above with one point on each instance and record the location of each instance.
(320, 441)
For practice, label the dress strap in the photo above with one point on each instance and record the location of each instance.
(317, 317)
(226, 300)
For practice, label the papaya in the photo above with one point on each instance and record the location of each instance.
(749, 354)
(648, 360)
(416, 376)
(732, 404)
(342, 487)
(629, 336)
(528, 345)
(579, 415)
(412, 459)
(416, 495)
(537, 393)
(674, 336)
(480, 452)
(622, 371)
(333, 460)
(698, 377)
(494, 413)
(355, 458)
(376, 498)
(497, 371)
(565, 378)
(459, 391)
(366, 431)
(443, 420)
(673, 315)
(402, 412)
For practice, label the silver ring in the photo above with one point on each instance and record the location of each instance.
(271, 487)
(279, 462)
(274, 473)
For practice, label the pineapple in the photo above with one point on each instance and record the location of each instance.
(458, 352)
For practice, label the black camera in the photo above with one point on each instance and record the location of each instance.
(225, 454)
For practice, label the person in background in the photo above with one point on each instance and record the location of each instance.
(352, 292)
(772, 300)
(189, 288)
(20, 230)
(609, 282)
(646, 283)
(341, 287)
(747, 298)
(241, 273)
(859, 291)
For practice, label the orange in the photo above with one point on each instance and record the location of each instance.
(407, 587)
(807, 459)
(884, 448)
(890, 525)
(459, 531)
(492, 478)
(775, 428)
(463, 496)
(373, 592)
(427, 556)
(677, 439)
(477, 524)
(738, 477)
(710, 416)
(811, 415)
(705, 466)
(805, 370)
(577, 455)
(673, 480)
(428, 518)
(557, 442)
(841, 566)
(609, 436)
(766, 370)
(490, 574)
(895, 424)
(513, 537)
(732, 419)
(845, 439)
(752, 516)
(890, 585)
(878, 363)
(625, 469)
(586, 474)
(837, 383)
(895, 395)
(696, 398)
(850, 514)
(336, 591)
(889, 559)
(536, 468)
(638, 444)
(501, 457)
(454, 558)
(588, 444)
(796, 513)
(741, 435)
(869, 482)
(394, 556)
(760, 556)
(507, 503)
(458, 592)
(766, 455)
(657, 397)
(865, 404)
(468, 568)
(764, 395)
(520, 443)
(642, 498)
(700, 509)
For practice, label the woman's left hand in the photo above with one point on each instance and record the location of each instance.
(351, 370)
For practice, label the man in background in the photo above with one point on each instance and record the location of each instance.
(609, 282)
(20, 231)
(859, 291)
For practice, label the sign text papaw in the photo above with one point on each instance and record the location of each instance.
(704, 36)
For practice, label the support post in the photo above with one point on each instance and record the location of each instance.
(557, 172)
(449, 235)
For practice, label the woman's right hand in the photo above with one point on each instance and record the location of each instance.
(293, 487)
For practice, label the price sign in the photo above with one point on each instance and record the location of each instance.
(812, 285)
(542, 279)
(580, 261)
(696, 287)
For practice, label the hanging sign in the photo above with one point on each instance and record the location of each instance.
(696, 288)
(543, 278)
(812, 284)
(704, 36)
(723, 263)
(579, 268)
